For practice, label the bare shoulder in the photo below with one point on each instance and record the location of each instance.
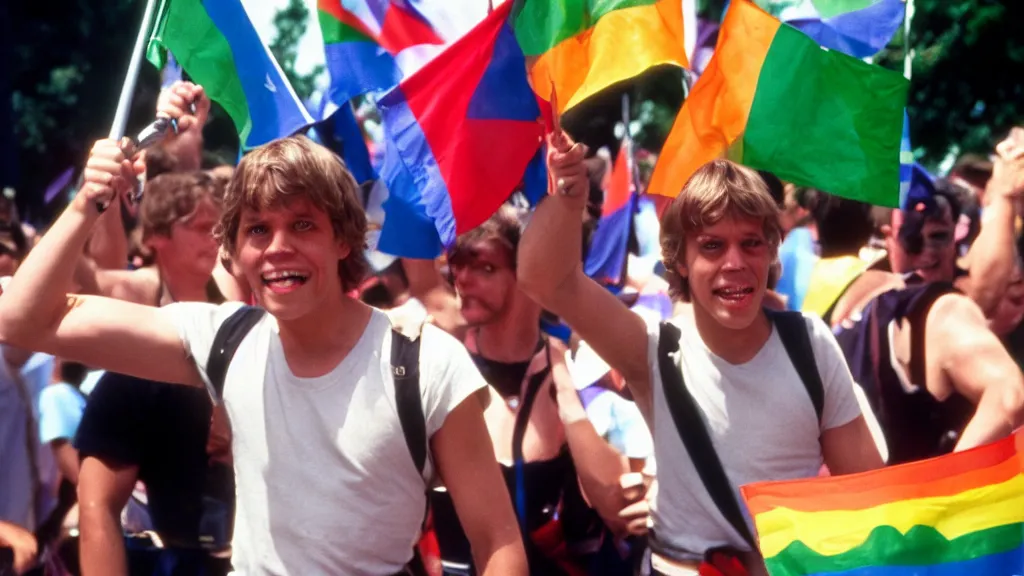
(864, 289)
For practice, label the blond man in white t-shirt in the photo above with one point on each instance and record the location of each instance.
(325, 481)
(719, 240)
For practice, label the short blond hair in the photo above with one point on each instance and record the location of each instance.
(293, 167)
(718, 189)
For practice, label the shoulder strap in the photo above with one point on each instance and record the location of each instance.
(793, 332)
(405, 369)
(225, 343)
(690, 425)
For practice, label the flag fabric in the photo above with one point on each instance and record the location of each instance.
(171, 72)
(773, 99)
(462, 134)
(59, 185)
(606, 257)
(860, 28)
(339, 130)
(962, 513)
(364, 41)
(906, 162)
(579, 47)
(216, 44)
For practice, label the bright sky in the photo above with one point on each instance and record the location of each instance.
(451, 17)
(311, 48)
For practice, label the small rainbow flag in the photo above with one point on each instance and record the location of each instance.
(960, 514)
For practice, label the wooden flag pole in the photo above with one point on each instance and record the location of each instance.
(124, 103)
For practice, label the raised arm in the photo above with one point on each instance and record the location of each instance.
(37, 314)
(994, 253)
(550, 271)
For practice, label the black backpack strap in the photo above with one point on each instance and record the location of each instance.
(690, 425)
(225, 343)
(405, 369)
(793, 332)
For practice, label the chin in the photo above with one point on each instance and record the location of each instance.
(286, 306)
(476, 317)
(736, 317)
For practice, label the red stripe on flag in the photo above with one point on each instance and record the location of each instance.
(619, 186)
(401, 30)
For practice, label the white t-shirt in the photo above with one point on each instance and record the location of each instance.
(325, 482)
(761, 421)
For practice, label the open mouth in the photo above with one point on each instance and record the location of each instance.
(734, 294)
(284, 280)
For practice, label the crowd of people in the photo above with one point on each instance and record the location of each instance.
(223, 378)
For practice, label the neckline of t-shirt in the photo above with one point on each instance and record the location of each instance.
(359, 351)
(766, 348)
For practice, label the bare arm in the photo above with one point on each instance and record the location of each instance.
(36, 313)
(103, 492)
(598, 465)
(67, 459)
(465, 461)
(994, 252)
(966, 357)
(108, 245)
(850, 448)
(550, 271)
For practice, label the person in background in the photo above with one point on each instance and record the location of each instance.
(21, 546)
(798, 252)
(548, 448)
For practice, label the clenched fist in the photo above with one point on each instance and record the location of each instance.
(176, 101)
(108, 173)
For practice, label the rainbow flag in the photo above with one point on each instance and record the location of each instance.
(580, 47)
(217, 45)
(364, 41)
(860, 28)
(773, 99)
(960, 514)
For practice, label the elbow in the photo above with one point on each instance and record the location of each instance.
(16, 328)
(1011, 404)
(541, 286)
(531, 279)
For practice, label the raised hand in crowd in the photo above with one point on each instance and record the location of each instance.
(22, 542)
(178, 102)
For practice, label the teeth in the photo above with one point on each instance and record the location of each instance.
(283, 274)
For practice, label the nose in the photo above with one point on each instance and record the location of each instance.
(280, 243)
(461, 277)
(733, 258)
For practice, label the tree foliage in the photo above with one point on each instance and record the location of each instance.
(291, 23)
(66, 67)
(968, 62)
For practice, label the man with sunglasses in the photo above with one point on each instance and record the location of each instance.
(919, 343)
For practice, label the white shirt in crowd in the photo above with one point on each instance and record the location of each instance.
(19, 410)
(761, 421)
(325, 480)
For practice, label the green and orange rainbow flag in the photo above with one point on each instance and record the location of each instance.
(580, 47)
(960, 514)
(773, 99)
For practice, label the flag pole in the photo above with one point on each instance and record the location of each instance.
(124, 103)
(908, 50)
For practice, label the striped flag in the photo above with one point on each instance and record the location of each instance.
(217, 46)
